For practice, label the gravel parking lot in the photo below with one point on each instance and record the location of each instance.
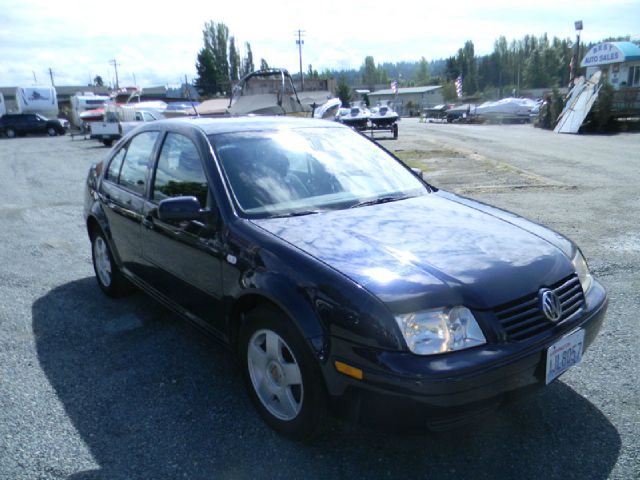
(92, 388)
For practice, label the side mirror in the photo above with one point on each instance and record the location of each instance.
(419, 172)
(179, 209)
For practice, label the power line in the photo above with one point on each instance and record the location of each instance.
(300, 42)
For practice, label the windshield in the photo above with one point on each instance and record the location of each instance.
(267, 83)
(307, 170)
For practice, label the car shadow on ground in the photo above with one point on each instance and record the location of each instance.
(153, 398)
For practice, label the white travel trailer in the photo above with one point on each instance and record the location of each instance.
(81, 102)
(42, 100)
(3, 107)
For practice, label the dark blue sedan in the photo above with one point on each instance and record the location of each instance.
(339, 275)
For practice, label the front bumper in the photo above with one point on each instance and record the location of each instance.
(460, 383)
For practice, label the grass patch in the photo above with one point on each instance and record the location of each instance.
(417, 158)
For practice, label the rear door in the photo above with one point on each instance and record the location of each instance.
(184, 259)
(21, 124)
(122, 194)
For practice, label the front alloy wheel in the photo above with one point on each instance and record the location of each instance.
(281, 373)
(275, 374)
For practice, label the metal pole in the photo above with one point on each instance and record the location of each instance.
(300, 42)
(576, 54)
(51, 75)
(115, 66)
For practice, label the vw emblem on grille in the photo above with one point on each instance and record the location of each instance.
(550, 304)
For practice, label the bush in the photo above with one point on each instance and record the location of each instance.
(603, 108)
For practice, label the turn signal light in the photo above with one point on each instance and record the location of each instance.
(348, 370)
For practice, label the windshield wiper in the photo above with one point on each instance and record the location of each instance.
(297, 214)
(379, 200)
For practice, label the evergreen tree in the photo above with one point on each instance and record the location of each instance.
(221, 56)
(343, 91)
(247, 63)
(207, 81)
(369, 72)
(422, 75)
(234, 61)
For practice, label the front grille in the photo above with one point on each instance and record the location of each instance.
(523, 318)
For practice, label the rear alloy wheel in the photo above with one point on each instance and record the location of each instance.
(10, 133)
(110, 279)
(281, 374)
(52, 132)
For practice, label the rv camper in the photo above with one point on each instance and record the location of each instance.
(81, 102)
(42, 100)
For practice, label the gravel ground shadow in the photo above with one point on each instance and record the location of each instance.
(153, 398)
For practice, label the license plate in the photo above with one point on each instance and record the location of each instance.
(563, 354)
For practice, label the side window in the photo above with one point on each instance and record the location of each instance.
(179, 171)
(133, 173)
(113, 172)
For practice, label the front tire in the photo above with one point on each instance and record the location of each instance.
(10, 133)
(281, 374)
(52, 131)
(109, 277)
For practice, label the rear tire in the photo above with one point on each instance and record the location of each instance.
(110, 279)
(52, 132)
(10, 133)
(107, 143)
(281, 374)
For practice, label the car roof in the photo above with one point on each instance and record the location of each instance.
(217, 125)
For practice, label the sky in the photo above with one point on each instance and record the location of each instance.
(156, 43)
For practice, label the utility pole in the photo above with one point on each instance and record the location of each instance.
(35, 80)
(187, 90)
(576, 55)
(300, 42)
(115, 67)
(51, 75)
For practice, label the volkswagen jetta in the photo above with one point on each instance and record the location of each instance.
(339, 275)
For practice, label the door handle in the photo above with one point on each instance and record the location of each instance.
(147, 222)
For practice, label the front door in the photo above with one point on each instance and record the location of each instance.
(183, 258)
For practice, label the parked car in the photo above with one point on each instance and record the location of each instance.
(19, 124)
(338, 275)
(113, 128)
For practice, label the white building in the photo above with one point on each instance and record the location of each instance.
(619, 62)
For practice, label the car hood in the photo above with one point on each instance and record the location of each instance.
(429, 251)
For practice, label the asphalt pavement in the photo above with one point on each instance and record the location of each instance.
(94, 388)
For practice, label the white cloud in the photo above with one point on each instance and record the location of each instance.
(158, 42)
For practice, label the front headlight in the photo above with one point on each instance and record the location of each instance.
(582, 269)
(440, 330)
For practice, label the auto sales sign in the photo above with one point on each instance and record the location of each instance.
(602, 54)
